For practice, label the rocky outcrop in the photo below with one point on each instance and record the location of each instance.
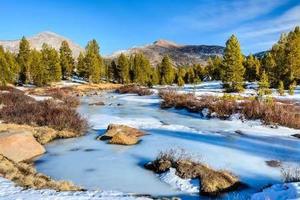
(213, 182)
(25, 175)
(19, 145)
(121, 134)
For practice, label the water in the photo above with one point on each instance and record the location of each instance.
(96, 165)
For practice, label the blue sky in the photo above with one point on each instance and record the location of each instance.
(120, 24)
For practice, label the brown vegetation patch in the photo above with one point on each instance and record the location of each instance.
(25, 175)
(22, 109)
(213, 182)
(134, 89)
(269, 111)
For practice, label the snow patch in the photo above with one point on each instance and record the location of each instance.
(9, 191)
(286, 191)
(185, 185)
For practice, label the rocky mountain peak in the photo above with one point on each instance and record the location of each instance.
(165, 43)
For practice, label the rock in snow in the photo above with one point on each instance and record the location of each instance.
(286, 191)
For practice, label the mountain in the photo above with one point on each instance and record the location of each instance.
(180, 54)
(37, 41)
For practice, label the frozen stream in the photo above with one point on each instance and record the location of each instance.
(96, 165)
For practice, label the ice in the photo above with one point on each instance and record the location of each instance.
(178, 183)
(286, 191)
(240, 147)
(8, 191)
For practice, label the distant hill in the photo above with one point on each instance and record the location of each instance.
(37, 41)
(180, 54)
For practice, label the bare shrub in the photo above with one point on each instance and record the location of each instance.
(269, 111)
(290, 174)
(21, 109)
(141, 91)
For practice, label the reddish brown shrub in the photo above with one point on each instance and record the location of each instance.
(141, 91)
(21, 109)
(285, 113)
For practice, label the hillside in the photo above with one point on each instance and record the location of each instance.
(180, 54)
(37, 41)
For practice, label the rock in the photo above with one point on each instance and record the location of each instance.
(297, 135)
(123, 139)
(99, 103)
(19, 145)
(273, 163)
(121, 134)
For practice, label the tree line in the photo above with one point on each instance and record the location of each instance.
(278, 68)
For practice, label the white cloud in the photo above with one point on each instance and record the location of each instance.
(213, 15)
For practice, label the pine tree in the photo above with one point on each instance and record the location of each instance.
(281, 88)
(123, 69)
(269, 66)
(180, 81)
(66, 60)
(141, 70)
(166, 71)
(264, 85)
(233, 65)
(93, 62)
(292, 88)
(50, 60)
(38, 71)
(214, 68)
(23, 60)
(5, 72)
(81, 69)
(252, 66)
(190, 75)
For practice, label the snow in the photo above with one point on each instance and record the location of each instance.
(40, 98)
(186, 185)
(8, 191)
(286, 191)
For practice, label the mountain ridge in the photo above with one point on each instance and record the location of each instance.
(36, 42)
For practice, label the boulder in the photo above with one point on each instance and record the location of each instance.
(297, 135)
(121, 134)
(98, 103)
(123, 139)
(19, 145)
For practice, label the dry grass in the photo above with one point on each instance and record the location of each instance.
(290, 174)
(269, 111)
(134, 89)
(213, 182)
(25, 175)
(20, 109)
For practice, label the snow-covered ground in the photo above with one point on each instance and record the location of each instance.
(287, 191)
(8, 191)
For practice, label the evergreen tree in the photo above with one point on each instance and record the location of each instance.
(233, 65)
(281, 88)
(81, 68)
(38, 71)
(6, 74)
(23, 60)
(93, 62)
(292, 88)
(214, 68)
(252, 66)
(122, 72)
(180, 81)
(50, 61)
(166, 71)
(269, 65)
(264, 85)
(190, 76)
(141, 70)
(66, 60)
